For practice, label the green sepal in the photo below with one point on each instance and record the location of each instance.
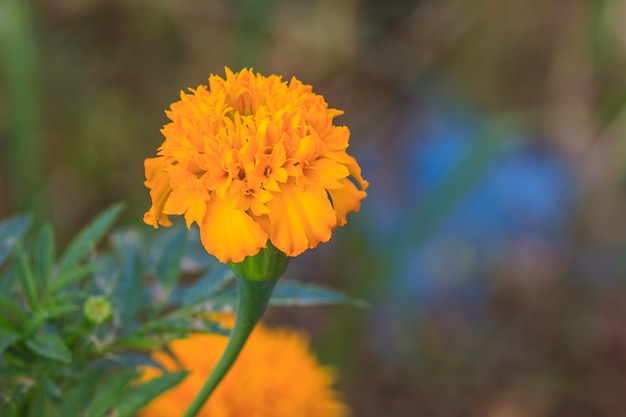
(269, 264)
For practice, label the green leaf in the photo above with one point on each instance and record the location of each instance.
(8, 279)
(196, 256)
(169, 252)
(10, 307)
(26, 278)
(76, 399)
(50, 387)
(208, 285)
(56, 309)
(43, 257)
(109, 392)
(124, 361)
(183, 325)
(71, 276)
(37, 403)
(49, 345)
(9, 409)
(139, 396)
(286, 293)
(88, 238)
(33, 325)
(138, 342)
(7, 324)
(11, 231)
(129, 291)
(292, 293)
(7, 338)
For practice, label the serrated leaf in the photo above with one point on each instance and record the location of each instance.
(138, 342)
(109, 392)
(43, 257)
(26, 279)
(129, 291)
(76, 399)
(52, 389)
(139, 396)
(213, 327)
(37, 403)
(286, 293)
(88, 238)
(208, 285)
(71, 276)
(223, 302)
(33, 325)
(10, 307)
(49, 345)
(196, 257)
(125, 361)
(8, 279)
(183, 325)
(9, 409)
(56, 309)
(7, 324)
(7, 338)
(168, 252)
(11, 231)
(292, 293)
(106, 273)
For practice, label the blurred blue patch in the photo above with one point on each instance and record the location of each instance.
(445, 211)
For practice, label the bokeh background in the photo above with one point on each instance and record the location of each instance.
(491, 248)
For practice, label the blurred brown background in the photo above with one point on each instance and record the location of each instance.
(491, 245)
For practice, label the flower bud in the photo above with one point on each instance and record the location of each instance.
(97, 309)
(269, 264)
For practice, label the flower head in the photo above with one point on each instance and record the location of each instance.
(276, 375)
(250, 159)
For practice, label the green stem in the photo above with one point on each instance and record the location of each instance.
(253, 297)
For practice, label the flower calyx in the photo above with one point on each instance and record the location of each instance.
(269, 264)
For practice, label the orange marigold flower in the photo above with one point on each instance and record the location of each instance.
(251, 158)
(276, 375)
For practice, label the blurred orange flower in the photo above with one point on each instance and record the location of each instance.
(276, 375)
(251, 158)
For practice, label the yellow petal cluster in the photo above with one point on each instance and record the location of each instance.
(251, 158)
(276, 375)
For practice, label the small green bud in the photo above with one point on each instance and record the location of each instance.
(97, 309)
(269, 264)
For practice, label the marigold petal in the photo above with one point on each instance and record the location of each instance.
(355, 171)
(309, 148)
(158, 182)
(188, 201)
(154, 167)
(346, 200)
(300, 218)
(337, 138)
(155, 219)
(230, 234)
(327, 173)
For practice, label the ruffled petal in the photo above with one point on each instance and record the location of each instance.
(230, 234)
(188, 196)
(327, 173)
(346, 199)
(188, 201)
(355, 171)
(158, 182)
(300, 219)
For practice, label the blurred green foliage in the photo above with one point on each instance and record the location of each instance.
(74, 331)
